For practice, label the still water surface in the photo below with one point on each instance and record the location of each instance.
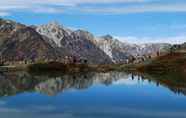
(91, 95)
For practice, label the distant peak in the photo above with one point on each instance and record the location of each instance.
(82, 31)
(108, 37)
(54, 23)
(7, 21)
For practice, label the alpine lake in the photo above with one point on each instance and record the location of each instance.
(92, 95)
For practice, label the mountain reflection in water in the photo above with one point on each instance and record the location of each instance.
(92, 95)
(18, 82)
(12, 83)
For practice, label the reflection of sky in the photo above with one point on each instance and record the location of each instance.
(128, 81)
(124, 98)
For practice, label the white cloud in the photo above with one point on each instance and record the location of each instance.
(65, 2)
(4, 13)
(137, 9)
(47, 10)
(142, 40)
(49, 6)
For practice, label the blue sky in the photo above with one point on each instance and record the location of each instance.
(136, 21)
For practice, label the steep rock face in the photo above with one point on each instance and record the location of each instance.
(120, 52)
(105, 43)
(78, 43)
(117, 50)
(82, 46)
(55, 33)
(19, 42)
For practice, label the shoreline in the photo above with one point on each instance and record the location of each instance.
(68, 68)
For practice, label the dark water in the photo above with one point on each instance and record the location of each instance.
(92, 95)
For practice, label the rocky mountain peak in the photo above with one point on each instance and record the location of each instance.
(54, 32)
(78, 43)
(107, 37)
(82, 34)
(19, 42)
(54, 24)
(7, 26)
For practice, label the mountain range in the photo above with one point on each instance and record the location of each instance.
(53, 41)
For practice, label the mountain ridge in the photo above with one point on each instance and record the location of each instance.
(56, 42)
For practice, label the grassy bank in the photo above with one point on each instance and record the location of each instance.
(10, 68)
(71, 68)
(175, 62)
(55, 66)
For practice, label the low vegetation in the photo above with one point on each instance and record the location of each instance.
(173, 62)
(71, 68)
